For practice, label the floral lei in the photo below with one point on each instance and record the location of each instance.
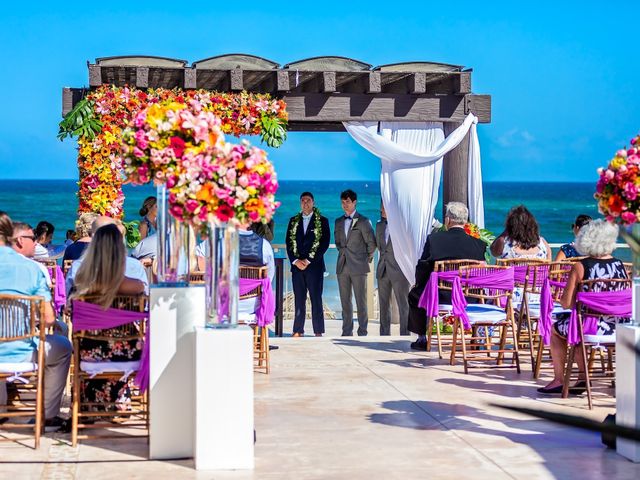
(317, 233)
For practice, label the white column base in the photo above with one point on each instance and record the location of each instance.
(174, 314)
(627, 388)
(224, 398)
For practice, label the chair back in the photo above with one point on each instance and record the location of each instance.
(573, 259)
(558, 277)
(450, 266)
(196, 278)
(130, 331)
(628, 267)
(600, 285)
(527, 267)
(253, 273)
(19, 317)
(489, 293)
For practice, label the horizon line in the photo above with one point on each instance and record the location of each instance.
(307, 180)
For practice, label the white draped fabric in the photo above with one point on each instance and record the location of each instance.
(411, 159)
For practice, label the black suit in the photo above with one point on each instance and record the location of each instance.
(453, 244)
(311, 278)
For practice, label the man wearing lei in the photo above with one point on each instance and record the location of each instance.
(308, 238)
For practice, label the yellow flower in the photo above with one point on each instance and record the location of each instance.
(110, 138)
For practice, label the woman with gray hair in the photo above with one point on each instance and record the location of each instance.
(596, 240)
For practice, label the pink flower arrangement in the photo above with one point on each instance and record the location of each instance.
(619, 184)
(207, 178)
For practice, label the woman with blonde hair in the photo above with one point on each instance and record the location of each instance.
(83, 234)
(99, 280)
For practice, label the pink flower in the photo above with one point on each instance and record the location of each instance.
(630, 191)
(176, 211)
(171, 182)
(137, 152)
(609, 174)
(191, 205)
(628, 217)
(633, 159)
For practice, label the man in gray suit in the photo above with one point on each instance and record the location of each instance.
(356, 244)
(390, 277)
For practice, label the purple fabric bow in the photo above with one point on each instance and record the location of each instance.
(266, 311)
(429, 298)
(546, 308)
(520, 273)
(606, 303)
(88, 316)
(59, 294)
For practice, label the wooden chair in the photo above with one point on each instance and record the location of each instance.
(527, 306)
(51, 267)
(260, 334)
(628, 267)
(444, 266)
(137, 415)
(196, 278)
(489, 315)
(19, 317)
(588, 343)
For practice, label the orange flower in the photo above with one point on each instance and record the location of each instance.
(204, 194)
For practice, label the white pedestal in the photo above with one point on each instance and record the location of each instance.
(224, 399)
(628, 388)
(174, 314)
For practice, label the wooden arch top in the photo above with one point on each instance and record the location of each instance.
(320, 92)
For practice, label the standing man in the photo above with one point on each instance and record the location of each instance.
(356, 244)
(390, 277)
(308, 238)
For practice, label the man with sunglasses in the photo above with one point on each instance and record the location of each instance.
(24, 242)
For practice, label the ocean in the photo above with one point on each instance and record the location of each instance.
(555, 206)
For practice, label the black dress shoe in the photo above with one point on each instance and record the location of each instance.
(551, 390)
(273, 347)
(420, 345)
(579, 388)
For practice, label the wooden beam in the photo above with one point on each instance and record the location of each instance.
(190, 78)
(374, 83)
(142, 77)
(417, 83)
(71, 96)
(283, 80)
(328, 82)
(235, 79)
(462, 83)
(340, 107)
(455, 176)
(480, 106)
(95, 76)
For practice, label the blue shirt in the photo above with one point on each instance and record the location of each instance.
(20, 276)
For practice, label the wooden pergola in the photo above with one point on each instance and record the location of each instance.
(320, 92)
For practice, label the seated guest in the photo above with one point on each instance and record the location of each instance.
(521, 237)
(133, 267)
(265, 230)
(147, 248)
(255, 251)
(83, 233)
(21, 276)
(596, 240)
(149, 213)
(452, 244)
(568, 250)
(24, 242)
(70, 237)
(102, 276)
(44, 236)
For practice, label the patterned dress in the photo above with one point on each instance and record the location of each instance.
(595, 269)
(108, 391)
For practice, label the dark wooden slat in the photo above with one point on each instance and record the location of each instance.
(142, 77)
(71, 96)
(480, 106)
(462, 83)
(235, 79)
(95, 76)
(296, 126)
(417, 83)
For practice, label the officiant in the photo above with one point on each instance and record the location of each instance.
(307, 239)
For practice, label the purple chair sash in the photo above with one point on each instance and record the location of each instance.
(520, 273)
(499, 280)
(266, 311)
(607, 303)
(59, 293)
(546, 308)
(88, 316)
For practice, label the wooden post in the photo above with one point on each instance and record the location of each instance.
(455, 170)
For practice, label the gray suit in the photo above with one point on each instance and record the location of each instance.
(390, 277)
(355, 251)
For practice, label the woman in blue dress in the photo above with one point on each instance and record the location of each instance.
(149, 214)
(568, 250)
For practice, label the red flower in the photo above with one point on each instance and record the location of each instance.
(615, 205)
(224, 213)
(177, 144)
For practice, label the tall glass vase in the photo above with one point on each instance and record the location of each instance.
(173, 245)
(221, 275)
(632, 236)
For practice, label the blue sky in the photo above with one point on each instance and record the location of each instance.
(563, 75)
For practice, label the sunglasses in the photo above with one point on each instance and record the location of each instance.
(31, 237)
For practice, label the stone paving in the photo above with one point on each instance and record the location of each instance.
(368, 408)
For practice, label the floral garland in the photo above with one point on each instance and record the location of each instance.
(317, 233)
(99, 121)
(618, 188)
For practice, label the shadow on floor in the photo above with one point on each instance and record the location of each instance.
(400, 346)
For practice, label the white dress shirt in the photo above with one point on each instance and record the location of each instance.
(348, 222)
(305, 222)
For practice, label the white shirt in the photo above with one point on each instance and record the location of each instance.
(347, 223)
(147, 248)
(133, 269)
(305, 221)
